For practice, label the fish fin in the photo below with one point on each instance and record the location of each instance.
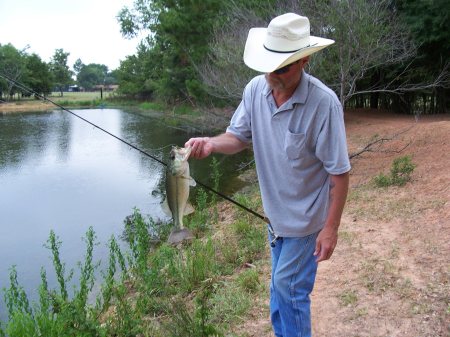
(165, 208)
(188, 209)
(191, 180)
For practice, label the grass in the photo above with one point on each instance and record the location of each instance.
(348, 298)
(79, 96)
(199, 289)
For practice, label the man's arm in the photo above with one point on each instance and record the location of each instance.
(226, 143)
(327, 238)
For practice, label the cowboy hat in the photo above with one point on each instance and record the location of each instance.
(286, 40)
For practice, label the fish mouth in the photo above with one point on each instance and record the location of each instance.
(178, 160)
(183, 152)
(186, 152)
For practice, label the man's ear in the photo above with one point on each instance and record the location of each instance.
(305, 60)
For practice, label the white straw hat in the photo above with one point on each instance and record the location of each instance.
(286, 40)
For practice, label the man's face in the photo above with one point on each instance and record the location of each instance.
(288, 78)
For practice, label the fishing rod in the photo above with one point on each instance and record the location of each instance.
(41, 97)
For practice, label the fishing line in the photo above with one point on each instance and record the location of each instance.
(41, 97)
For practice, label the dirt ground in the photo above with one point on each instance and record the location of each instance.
(6, 108)
(390, 273)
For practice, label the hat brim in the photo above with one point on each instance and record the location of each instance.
(257, 57)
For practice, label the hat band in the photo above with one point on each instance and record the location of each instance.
(289, 51)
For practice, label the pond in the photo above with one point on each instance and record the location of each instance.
(59, 173)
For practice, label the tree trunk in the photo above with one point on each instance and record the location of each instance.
(374, 96)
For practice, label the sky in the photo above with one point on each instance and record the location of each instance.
(87, 29)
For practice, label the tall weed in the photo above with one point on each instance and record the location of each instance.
(197, 265)
(195, 324)
(215, 176)
(54, 244)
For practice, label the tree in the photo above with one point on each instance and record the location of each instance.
(222, 69)
(77, 66)
(179, 39)
(61, 73)
(38, 76)
(12, 65)
(91, 75)
(368, 36)
(138, 74)
(428, 23)
(366, 33)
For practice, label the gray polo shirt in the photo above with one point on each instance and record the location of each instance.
(296, 146)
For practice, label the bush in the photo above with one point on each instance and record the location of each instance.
(400, 173)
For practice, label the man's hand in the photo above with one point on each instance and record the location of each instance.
(202, 147)
(225, 143)
(325, 243)
(327, 239)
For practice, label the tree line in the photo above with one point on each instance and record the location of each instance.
(390, 54)
(43, 78)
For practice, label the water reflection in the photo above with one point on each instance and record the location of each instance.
(57, 172)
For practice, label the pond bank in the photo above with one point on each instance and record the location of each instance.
(195, 120)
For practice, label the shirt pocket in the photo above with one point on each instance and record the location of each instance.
(294, 145)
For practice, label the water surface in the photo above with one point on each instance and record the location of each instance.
(59, 173)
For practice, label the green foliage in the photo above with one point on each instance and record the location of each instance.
(38, 76)
(400, 173)
(185, 324)
(61, 74)
(215, 176)
(138, 237)
(12, 64)
(427, 21)
(229, 303)
(55, 315)
(249, 280)
(382, 180)
(198, 264)
(91, 75)
(15, 297)
(401, 170)
(251, 236)
(348, 298)
(136, 74)
(152, 106)
(200, 219)
(180, 31)
(54, 244)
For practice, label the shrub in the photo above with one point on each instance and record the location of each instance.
(401, 170)
(400, 173)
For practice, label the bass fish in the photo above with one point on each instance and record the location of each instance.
(178, 182)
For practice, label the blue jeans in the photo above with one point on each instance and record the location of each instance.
(293, 274)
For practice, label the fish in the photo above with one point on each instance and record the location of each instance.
(178, 183)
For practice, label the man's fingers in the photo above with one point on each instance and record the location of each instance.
(196, 144)
(323, 251)
(317, 250)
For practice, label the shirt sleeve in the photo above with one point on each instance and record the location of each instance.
(331, 146)
(240, 124)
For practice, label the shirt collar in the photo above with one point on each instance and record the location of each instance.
(300, 94)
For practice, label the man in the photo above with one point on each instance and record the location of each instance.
(295, 124)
